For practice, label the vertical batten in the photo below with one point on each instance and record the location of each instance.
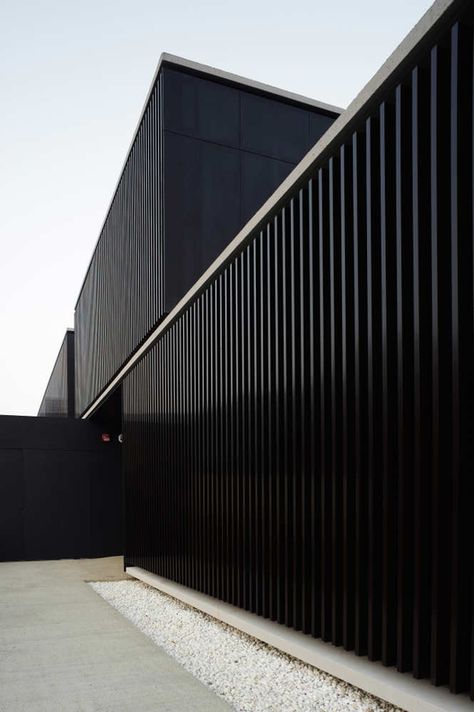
(405, 296)
(324, 506)
(439, 354)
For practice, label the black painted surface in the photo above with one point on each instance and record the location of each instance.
(260, 177)
(278, 131)
(60, 490)
(207, 154)
(202, 194)
(122, 295)
(299, 442)
(12, 503)
(59, 397)
(201, 108)
(226, 151)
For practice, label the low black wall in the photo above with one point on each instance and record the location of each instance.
(60, 490)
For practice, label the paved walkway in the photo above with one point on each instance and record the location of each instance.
(64, 649)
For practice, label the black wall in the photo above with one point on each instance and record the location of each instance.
(58, 399)
(60, 490)
(226, 150)
(299, 441)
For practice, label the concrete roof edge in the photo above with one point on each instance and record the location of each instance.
(247, 83)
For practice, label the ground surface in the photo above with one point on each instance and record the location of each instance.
(64, 649)
(250, 675)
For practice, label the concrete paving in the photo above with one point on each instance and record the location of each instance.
(64, 649)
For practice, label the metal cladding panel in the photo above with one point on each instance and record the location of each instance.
(196, 172)
(227, 149)
(287, 128)
(58, 399)
(122, 295)
(298, 442)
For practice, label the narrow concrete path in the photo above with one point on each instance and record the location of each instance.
(64, 649)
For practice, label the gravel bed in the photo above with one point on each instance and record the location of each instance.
(250, 675)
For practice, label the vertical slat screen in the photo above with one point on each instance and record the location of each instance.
(299, 442)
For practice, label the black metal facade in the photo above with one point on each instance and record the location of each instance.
(122, 295)
(226, 150)
(58, 399)
(206, 154)
(299, 441)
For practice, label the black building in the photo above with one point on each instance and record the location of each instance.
(209, 149)
(58, 399)
(295, 379)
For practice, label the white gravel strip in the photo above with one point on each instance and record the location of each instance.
(250, 675)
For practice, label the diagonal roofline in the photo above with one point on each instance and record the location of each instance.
(237, 80)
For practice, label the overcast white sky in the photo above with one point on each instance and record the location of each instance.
(73, 79)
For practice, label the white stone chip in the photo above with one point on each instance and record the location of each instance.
(250, 675)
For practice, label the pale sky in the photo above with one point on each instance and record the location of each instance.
(73, 79)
